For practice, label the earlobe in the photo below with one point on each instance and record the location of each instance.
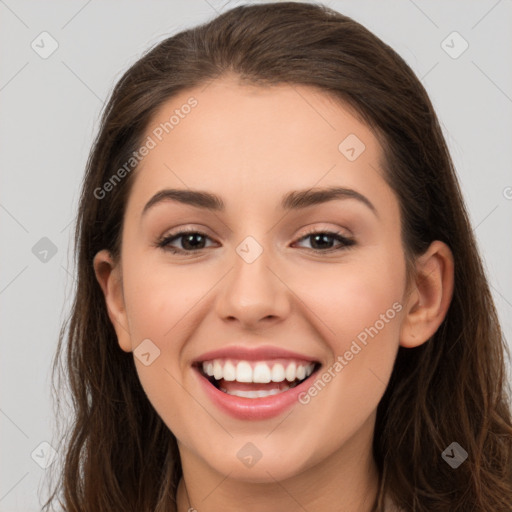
(430, 295)
(108, 275)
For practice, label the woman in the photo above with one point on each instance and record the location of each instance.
(220, 356)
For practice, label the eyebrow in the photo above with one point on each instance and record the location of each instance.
(294, 200)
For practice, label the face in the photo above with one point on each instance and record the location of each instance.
(266, 335)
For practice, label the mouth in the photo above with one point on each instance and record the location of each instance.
(254, 383)
(255, 380)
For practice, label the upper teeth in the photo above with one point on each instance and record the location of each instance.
(256, 371)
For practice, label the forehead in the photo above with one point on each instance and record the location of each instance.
(248, 141)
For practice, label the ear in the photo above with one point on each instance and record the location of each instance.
(429, 295)
(108, 275)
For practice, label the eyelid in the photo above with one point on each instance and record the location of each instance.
(325, 229)
(184, 230)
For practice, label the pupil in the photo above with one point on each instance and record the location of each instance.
(322, 237)
(189, 238)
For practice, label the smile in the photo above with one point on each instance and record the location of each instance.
(256, 379)
(255, 384)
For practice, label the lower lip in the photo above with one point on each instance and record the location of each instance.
(254, 408)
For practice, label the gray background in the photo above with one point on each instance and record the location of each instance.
(49, 114)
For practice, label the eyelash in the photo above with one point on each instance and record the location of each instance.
(164, 242)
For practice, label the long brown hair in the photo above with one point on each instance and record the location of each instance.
(118, 453)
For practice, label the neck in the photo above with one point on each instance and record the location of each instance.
(345, 481)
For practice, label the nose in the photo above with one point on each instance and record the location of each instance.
(253, 294)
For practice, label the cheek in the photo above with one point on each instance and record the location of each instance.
(359, 303)
(159, 297)
(359, 295)
(160, 303)
(365, 318)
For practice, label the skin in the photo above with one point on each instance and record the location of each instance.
(250, 145)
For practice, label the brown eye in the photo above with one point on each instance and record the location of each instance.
(190, 241)
(322, 241)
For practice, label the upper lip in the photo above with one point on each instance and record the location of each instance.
(260, 353)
